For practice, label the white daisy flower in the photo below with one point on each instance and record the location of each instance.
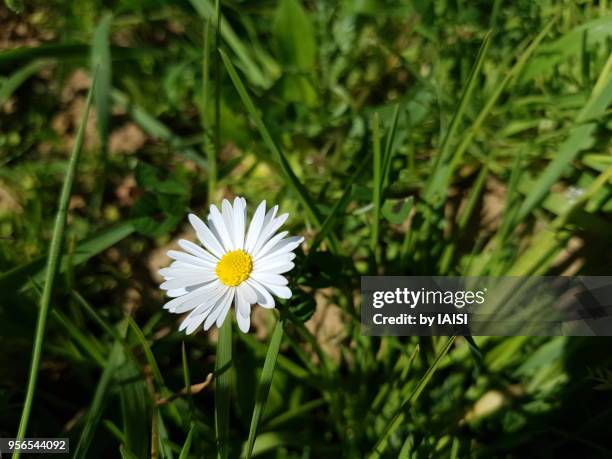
(235, 265)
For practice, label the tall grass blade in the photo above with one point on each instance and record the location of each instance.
(436, 189)
(210, 151)
(265, 381)
(339, 207)
(17, 78)
(142, 340)
(208, 11)
(136, 408)
(65, 51)
(511, 76)
(36, 270)
(464, 218)
(223, 365)
(53, 262)
(580, 138)
(389, 144)
(187, 379)
(187, 445)
(292, 179)
(377, 184)
(94, 413)
(101, 64)
(88, 343)
(400, 414)
(157, 129)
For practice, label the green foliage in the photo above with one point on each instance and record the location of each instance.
(404, 138)
(162, 207)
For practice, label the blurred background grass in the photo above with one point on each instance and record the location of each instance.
(443, 137)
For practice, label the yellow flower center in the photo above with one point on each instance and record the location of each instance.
(234, 268)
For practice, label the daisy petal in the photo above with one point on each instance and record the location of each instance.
(223, 305)
(248, 293)
(223, 314)
(206, 236)
(239, 222)
(284, 246)
(267, 278)
(279, 290)
(180, 272)
(183, 265)
(219, 224)
(196, 317)
(242, 305)
(271, 243)
(187, 258)
(186, 281)
(197, 251)
(264, 299)
(202, 302)
(227, 211)
(255, 226)
(176, 292)
(175, 302)
(269, 231)
(244, 323)
(190, 324)
(281, 258)
(276, 268)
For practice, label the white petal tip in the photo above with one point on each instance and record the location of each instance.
(244, 323)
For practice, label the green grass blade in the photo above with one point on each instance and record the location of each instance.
(208, 11)
(101, 65)
(94, 413)
(108, 329)
(399, 415)
(550, 242)
(65, 51)
(157, 129)
(36, 270)
(187, 445)
(389, 144)
(287, 364)
(265, 381)
(187, 378)
(160, 385)
(223, 365)
(579, 139)
(126, 453)
(142, 340)
(16, 6)
(464, 218)
(17, 78)
(377, 184)
(339, 206)
(53, 263)
(292, 179)
(294, 413)
(136, 410)
(87, 343)
(210, 151)
(436, 188)
(512, 75)
(217, 133)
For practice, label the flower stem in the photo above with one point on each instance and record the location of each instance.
(53, 262)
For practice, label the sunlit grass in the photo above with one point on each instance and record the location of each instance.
(450, 138)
